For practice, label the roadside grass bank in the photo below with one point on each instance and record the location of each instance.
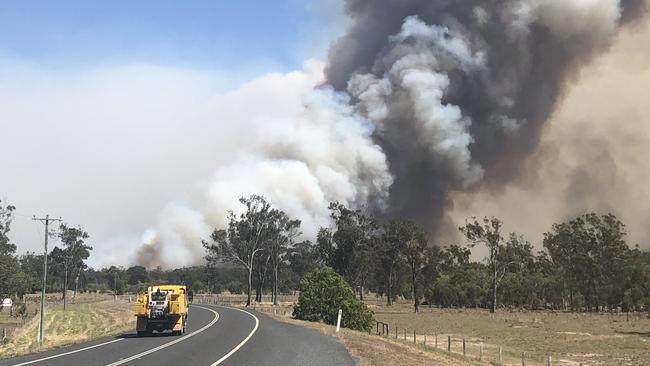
(80, 322)
(369, 349)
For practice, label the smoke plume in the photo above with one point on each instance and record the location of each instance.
(419, 102)
(460, 90)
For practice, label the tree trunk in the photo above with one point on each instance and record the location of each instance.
(415, 290)
(388, 289)
(275, 285)
(76, 288)
(258, 291)
(494, 288)
(65, 285)
(249, 288)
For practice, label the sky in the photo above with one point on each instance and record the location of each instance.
(110, 112)
(227, 35)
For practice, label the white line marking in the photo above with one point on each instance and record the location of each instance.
(257, 323)
(69, 353)
(216, 317)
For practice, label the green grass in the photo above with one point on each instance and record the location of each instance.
(80, 322)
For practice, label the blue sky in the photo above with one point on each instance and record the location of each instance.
(259, 35)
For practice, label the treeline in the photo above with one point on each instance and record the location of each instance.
(585, 264)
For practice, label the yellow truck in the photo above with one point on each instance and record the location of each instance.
(163, 307)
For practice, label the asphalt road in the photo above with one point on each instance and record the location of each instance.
(215, 336)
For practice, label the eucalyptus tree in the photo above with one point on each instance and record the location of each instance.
(283, 232)
(349, 247)
(488, 233)
(72, 256)
(243, 239)
(414, 252)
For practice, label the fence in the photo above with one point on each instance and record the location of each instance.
(473, 348)
(229, 299)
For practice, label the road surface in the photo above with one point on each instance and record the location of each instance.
(216, 336)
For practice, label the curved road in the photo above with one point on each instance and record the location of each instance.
(216, 336)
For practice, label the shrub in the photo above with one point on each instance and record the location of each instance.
(323, 292)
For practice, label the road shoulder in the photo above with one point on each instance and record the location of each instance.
(371, 350)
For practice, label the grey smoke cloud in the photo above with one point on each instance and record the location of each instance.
(461, 91)
(592, 155)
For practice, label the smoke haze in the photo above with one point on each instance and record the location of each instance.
(424, 102)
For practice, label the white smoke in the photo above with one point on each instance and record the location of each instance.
(418, 62)
(301, 147)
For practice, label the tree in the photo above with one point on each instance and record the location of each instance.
(6, 217)
(243, 239)
(283, 232)
(72, 256)
(487, 233)
(322, 293)
(350, 249)
(593, 255)
(303, 258)
(414, 245)
(136, 274)
(390, 252)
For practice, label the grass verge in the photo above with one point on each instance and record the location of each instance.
(371, 350)
(79, 323)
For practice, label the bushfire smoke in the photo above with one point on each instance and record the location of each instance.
(418, 101)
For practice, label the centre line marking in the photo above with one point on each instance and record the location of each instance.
(123, 361)
(225, 357)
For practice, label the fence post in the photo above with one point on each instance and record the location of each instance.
(425, 339)
(404, 333)
(448, 343)
(414, 337)
(464, 353)
(549, 361)
(435, 336)
(523, 359)
(480, 352)
(500, 356)
(396, 331)
(4, 333)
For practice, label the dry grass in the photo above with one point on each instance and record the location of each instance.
(571, 339)
(80, 322)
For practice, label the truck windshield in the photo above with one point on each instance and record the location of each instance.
(158, 296)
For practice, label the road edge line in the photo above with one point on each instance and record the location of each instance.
(162, 346)
(241, 344)
(68, 353)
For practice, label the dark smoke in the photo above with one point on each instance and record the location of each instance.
(461, 90)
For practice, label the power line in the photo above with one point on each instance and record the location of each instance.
(46, 220)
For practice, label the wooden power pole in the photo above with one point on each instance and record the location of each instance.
(46, 220)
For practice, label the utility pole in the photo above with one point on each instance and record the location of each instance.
(46, 220)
